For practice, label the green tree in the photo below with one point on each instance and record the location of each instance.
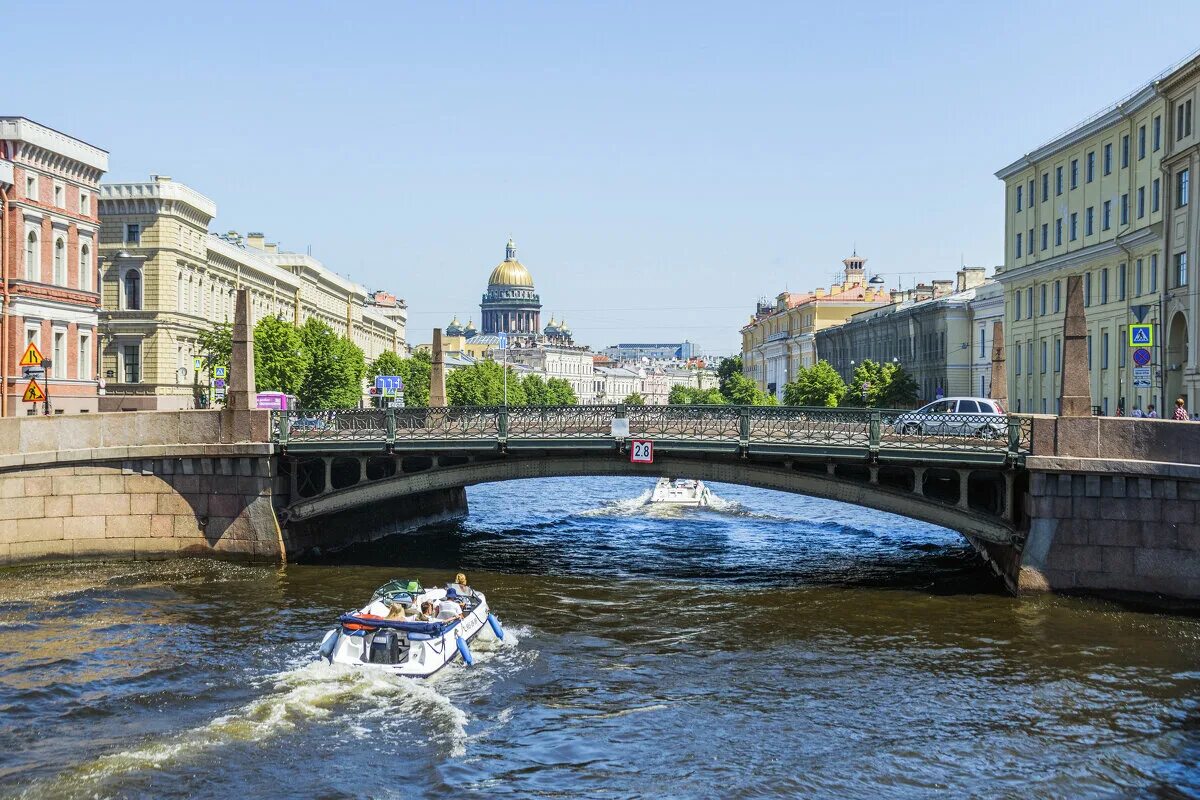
(728, 368)
(634, 399)
(562, 393)
(537, 393)
(867, 385)
(415, 373)
(902, 390)
(386, 363)
(280, 361)
(336, 368)
(742, 391)
(680, 395)
(687, 395)
(818, 385)
(482, 384)
(216, 346)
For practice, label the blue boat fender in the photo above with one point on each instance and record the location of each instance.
(465, 651)
(328, 644)
(496, 629)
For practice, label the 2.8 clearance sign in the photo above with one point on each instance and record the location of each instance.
(641, 451)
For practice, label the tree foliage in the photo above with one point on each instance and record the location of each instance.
(881, 385)
(216, 346)
(725, 371)
(634, 399)
(743, 391)
(281, 362)
(336, 368)
(818, 385)
(415, 372)
(690, 396)
(482, 384)
(562, 393)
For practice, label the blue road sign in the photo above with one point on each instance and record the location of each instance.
(503, 341)
(389, 385)
(1141, 356)
(1141, 335)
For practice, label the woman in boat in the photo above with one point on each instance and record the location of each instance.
(460, 585)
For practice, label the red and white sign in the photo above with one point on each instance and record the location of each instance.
(641, 451)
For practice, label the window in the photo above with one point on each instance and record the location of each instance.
(1057, 296)
(132, 372)
(1141, 202)
(1043, 361)
(32, 267)
(1154, 195)
(1045, 235)
(1107, 159)
(1106, 215)
(1074, 173)
(1031, 191)
(982, 344)
(1181, 275)
(1121, 270)
(1058, 355)
(1104, 286)
(85, 204)
(60, 354)
(1018, 245)
(1183, 120)
(60, 262)
(133, 233)
(1029, 356)
(133, 290)
(1089, 221)
(1090, 168)
(1045, 186)
(85, 267)
(1121, 337)
(1153, 273)
(1125, 209)
(1104, 350)
(1018, 363)
(1057, 181)
(1181, 188)
(1029, 303)
(1074, 226)
(1017, 305)
(31, 188)
(1089, 346)
(1141, 142)
(84, 368)
(1087, 289)
(1041, 301)
(58, 196)
(1137, 279)
(1058, 232)
(1020, 192)
(1125, 151)
(1156, 136)
(1029, 244)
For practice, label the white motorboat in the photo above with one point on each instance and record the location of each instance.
(375, 636)
(681, 492)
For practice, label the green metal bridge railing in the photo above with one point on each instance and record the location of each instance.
(875, 434)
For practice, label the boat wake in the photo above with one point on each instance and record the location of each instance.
(641, 506)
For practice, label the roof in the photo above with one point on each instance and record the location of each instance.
(23, 129)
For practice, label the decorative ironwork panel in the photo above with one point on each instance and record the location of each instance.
(335, 424)
(917, 430)
(560, 422)
(468, 423)
(810, 426)
(690, 423)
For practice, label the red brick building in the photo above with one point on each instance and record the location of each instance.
(49, 280)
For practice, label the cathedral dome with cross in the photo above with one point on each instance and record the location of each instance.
(510, 304)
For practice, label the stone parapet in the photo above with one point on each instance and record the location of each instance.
(1116, 438)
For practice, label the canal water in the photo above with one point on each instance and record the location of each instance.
(773, 645)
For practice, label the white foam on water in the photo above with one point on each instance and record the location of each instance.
(306, 693)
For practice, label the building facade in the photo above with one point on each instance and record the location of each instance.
(510, 304)
(572, 364)
(986, 309)
(1091, 202)
(48, 244)
(165, 279)
(1181, 235)
(658, 351)
(781, 337)
(929, 331)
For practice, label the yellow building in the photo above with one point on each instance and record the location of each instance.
(780, 338)
(1090, 202)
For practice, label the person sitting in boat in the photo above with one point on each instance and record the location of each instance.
(426, 613)
(385, 609)
(460, 585)
(450, 608)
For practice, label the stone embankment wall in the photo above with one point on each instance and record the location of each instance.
(145, 485)
(1113, 507)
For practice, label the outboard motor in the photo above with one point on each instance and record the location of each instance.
(385, 647)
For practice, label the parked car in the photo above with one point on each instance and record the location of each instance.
(955, 416)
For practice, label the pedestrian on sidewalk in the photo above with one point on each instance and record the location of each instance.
(1150, 412)
(1137, 412)
(1181, 412)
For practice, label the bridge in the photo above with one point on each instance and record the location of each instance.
(1088, 504)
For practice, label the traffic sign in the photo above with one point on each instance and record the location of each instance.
(197, 364)
(33, 372)
(219, 372)
(641, 451)
(219, 383)
(503, 337)
(33, 393)
(1141, 377)
(1141, 356)
(388, 385)
(1141, 335)
(32, 357)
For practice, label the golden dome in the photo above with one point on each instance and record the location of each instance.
(510, 273)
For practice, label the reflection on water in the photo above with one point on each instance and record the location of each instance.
(772, 644)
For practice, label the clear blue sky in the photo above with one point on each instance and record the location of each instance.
(660, 165)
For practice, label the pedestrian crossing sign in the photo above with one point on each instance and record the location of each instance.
(1141, 335)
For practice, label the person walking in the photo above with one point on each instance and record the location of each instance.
(1150, 412)
(1137, 412)
(1181, 412)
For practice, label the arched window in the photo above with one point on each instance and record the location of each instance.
(60, 262)
(85, 268)
(31, 257)
(133, 290)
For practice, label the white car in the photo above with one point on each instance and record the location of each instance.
(955, 416)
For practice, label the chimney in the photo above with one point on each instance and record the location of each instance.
(272, 247)
(818, 292)
(960, 280)
(942, 287)
(973, 276)
(161, 178)
(256, 240)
